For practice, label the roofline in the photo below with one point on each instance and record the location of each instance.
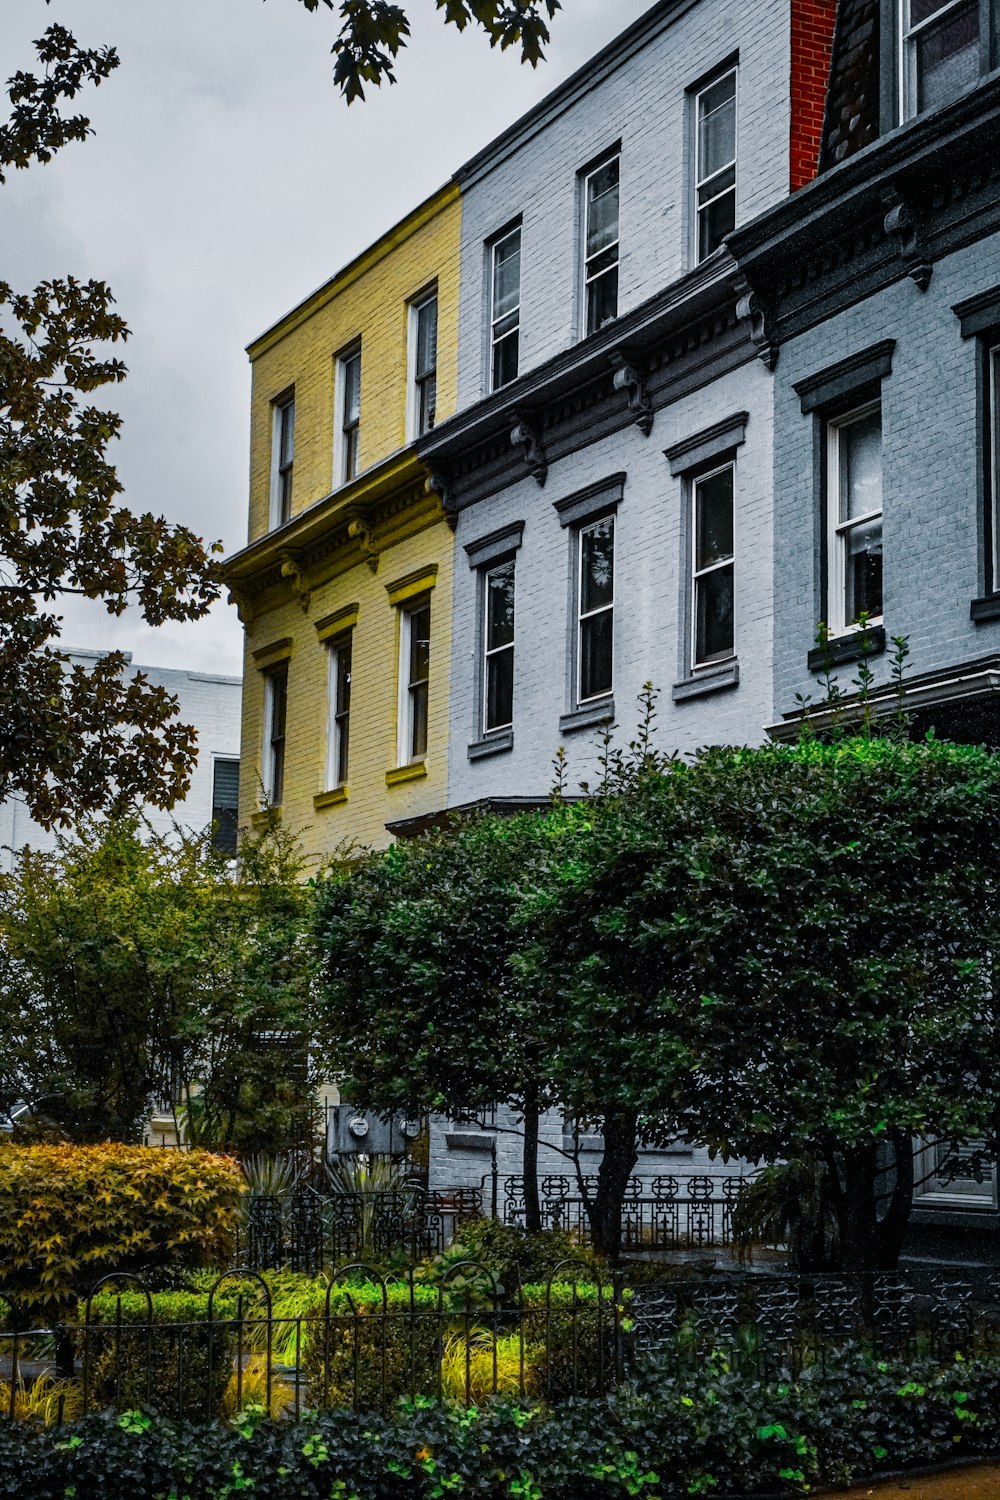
(610, 58)
(397, 235)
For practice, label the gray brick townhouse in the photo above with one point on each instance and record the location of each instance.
(874, 294)
(608, 471)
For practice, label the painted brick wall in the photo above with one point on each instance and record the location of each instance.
(812, 23)
(646, 105)
(650, 591)
(929, 475)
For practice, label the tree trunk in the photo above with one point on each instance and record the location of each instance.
(529, 1165)
(620, 1156)
(894, 1221)
(859, 1226)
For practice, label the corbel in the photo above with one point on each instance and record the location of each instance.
(632, 381)
(524, 434)
(360, 530)
(243, 603)
(437, 484)
(752, 309)
(291, 568)
(903, 227)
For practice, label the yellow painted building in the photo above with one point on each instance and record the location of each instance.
(345, 584)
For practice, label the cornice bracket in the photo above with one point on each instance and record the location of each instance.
(750, 308)
(632, 381)
(360, 530)
(291, 568)
(243, 604)
(903, 226)
(437, 484)
(524, 434)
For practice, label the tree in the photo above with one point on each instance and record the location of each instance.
(75, 739)
(373, 32)
(135, 966)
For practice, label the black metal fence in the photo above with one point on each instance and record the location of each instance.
(664, 1213)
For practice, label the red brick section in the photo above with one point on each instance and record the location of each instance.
(812, 23)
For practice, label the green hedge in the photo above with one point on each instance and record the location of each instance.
(180, 1366)
(714, 1432)
(343, 1359)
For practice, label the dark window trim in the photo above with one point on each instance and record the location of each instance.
(846, 380)
(708, 445)
(979, 315)
(844, 649)
(707, 680)
(710, 76)
(495, 546)
(590, 503)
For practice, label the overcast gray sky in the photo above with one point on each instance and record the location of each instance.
(225, 181)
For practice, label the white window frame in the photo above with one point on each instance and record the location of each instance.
(699, 573)
(907, 80)
(493, 246)
(279, 668)
(931, 1190)
(414, 306)
(279, 406)
(486, 572)
(336, 712)
(698, 209)
(581, 615)
(836, 529)
(340, 446)
(586, 178)
(405, 755)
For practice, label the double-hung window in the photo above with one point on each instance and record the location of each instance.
(498, 646)
(282, 457)
(601, 243)
(941, 42)
(414, 679)
(275, 711)
(339, 699)
(715, 163)
(350, 414)
(854, 506)
(423, 359)
(712, 613)
(595, 609)
(505, 308)
(225, 804)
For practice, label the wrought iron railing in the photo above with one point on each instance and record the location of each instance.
(667, 1212)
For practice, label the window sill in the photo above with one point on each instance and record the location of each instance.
(400, 774)
(491, 744)
(469, 1140)
(847, 648)
(266, 815)
(709, 680)
(986, 608)
(333, 798)
(589, 716)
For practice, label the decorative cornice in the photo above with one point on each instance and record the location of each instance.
(500, 543)
(979, 314)
(291, 568)
(602, 495)
(632, 381)
(708, 444)
(524, 434)
(836, 382)
(902, 225)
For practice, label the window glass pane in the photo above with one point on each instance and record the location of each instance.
(420, 643)
(287, 433)
(426, 337)
(596, 634)
(947, 56)
(500, 606)
(602, 300)
(506, 275)
(418, 721)
(602, 207)
(225, 804)
(860, 447)
(505, 360)
(277, 703)
(921, 10)
(500, 689)
(715, 222)
(343, 678)
(714, 519)
(717, 126)
(597, 565)
(714, 615)
(863, 569)
(352, 390)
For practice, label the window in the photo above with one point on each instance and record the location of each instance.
(414, 678)
(225, 804)
(948, 1172)
(601, 244)
(993, 474)
(595, 596)
(712, 555)
(854, 499)
(498, 647)
(282, 458)
(423, 363)
(339, 723)
(505, 308)
(715, 163)
(941, 50)
(350, 415)
(275, 707)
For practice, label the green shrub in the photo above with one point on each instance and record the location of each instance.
(179, 1365)
(513, 1255)
(71, 1214)
(571, 1329)
(343, 1357)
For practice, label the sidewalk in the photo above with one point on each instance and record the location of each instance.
(962, 1484)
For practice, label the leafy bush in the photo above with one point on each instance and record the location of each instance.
(343, 1359)
(71, 1214)
(513, 1255)
(571, 1329)
(476, 1366)
(180, 1364)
